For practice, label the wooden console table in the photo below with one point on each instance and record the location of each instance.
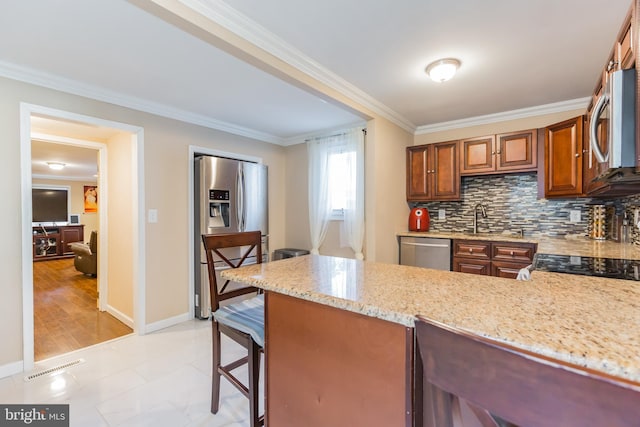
(52, 242)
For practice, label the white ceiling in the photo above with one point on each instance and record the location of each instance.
(515, 55)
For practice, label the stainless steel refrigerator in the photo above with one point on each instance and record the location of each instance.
(230, 196)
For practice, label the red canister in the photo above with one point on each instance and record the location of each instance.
(419, 219)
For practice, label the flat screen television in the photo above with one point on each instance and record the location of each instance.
(50, 205)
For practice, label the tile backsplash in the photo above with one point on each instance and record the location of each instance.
(512, 205)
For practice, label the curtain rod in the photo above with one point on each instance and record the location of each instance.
(331, 136)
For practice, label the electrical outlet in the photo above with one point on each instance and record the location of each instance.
(441, 214)
(574, 216)
(152, 216)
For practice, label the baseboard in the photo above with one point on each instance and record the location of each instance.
(165, 323)
(120, 316)
(11, 369)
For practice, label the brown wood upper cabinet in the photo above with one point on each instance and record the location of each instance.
(507, 152)
(563, 145)
(432, 172)
(623, 50)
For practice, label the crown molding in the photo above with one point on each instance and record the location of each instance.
(234, 21)
(556, 107)
(91, 179)
(51, 81)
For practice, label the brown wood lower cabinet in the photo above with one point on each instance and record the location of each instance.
(473, 266)
(490, 258)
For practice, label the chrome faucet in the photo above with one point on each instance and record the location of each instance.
(483, 212)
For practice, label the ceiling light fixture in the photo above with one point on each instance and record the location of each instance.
(442, 69)
(56, 165)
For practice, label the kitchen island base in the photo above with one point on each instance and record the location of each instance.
(331, 367)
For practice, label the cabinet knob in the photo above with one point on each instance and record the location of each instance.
(577, 155)
(470, 250)
(498, 152)
(511, 253)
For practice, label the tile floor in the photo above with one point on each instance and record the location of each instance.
(160, 379)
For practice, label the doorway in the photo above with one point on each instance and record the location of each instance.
(66, 228)
(67, 128)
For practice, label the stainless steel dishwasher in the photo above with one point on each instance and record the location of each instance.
(425, 252)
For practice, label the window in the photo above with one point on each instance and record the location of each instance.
(342, 183)
(336, 187)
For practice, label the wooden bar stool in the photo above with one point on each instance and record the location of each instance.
(241, 321)
(470, 380)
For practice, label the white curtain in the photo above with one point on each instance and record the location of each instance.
(319, 208)
(354, 211)
(320, 149)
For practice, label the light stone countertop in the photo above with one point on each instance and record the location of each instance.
(592, 322)
(571, 245)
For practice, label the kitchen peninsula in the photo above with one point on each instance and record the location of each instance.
(339, 332)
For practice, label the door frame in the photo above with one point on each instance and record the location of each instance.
(139, 288)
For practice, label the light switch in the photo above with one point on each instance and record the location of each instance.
(152, 216)
(441, 214)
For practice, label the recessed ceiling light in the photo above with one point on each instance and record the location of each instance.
(56, 165)
(442, 69)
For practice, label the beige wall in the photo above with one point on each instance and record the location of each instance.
(386, 205)
(167, 176)
(166, 160)
(296, 202)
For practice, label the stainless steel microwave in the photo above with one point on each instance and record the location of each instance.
(616, 109)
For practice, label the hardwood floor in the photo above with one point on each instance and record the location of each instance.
(66, 317)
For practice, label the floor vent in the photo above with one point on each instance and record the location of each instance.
(54, 369)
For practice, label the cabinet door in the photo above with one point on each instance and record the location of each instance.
(472, 249)
(445, 176)
(69, 235)
(623, 48)
(477, 155)
(508, 270)
(472, 266)
(46, 246)
(513, 252)
(417, 173)
(517, 151)
(563, 158)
